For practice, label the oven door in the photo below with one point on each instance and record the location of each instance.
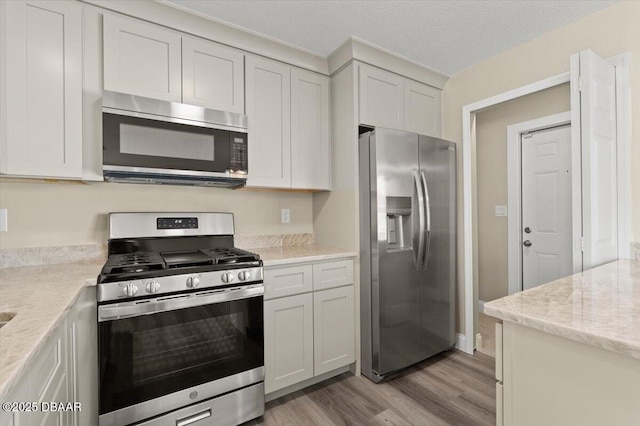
(157, 355)
(142, 143)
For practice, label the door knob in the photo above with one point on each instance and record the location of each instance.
(527, 243)
(527, 230)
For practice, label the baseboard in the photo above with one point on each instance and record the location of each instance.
(461, 343)
(312, 381)
(481, 306)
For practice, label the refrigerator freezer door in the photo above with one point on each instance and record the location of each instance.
(397, 278)
(438, 165)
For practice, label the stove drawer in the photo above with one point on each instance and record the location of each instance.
(230, 409)
(287, 281)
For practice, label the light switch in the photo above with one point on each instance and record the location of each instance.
(4, 223)
(501, 211)
(285, 216)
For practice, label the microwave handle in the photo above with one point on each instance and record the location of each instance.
(169, 303)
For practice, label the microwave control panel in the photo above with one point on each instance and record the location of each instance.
(239, 162)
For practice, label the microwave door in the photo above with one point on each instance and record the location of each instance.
(152, 144)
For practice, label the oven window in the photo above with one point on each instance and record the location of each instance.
(144, 140)
(145, 357)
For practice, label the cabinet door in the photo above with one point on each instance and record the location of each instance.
(48, 376)
(92, 85)
(43, 93)
(333, 329)
(268, 88)
(381, 98)
(422, 109)
(141, 59)
(310, 143)
(288, 341)
(212, 75)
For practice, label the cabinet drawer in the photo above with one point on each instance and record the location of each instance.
(287, 281)
(332, 274)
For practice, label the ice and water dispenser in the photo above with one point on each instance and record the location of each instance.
(398, 223)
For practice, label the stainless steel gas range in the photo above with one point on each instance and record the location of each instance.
(180, 322)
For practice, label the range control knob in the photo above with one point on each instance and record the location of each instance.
(244, 275)
(153, 287)
(130, 290)
(227, 277)
(193, 282)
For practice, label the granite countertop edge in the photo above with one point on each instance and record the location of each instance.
(591, 284)
(276, 256)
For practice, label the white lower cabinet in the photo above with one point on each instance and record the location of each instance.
(333, 329)
(288, 345)
(307, 333)
(65, 370)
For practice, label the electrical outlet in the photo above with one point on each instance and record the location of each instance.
(4, 223)
(285, 216)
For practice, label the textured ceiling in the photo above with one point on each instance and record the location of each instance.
(447, 36)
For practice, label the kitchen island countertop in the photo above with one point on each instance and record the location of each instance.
(599, 307)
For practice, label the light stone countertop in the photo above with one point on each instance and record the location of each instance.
(599, 307)
(39, 296)
(274, 256)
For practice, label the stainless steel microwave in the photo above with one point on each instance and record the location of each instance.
(151, 141)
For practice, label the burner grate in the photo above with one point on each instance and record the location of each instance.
(133, 263)
(231, 255)
(146, 264)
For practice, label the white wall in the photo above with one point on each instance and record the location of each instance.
(50, 214)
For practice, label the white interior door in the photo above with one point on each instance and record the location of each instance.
(593, 106)
(547, 252)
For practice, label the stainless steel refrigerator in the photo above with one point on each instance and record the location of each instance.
(407, 249)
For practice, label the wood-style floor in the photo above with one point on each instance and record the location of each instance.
(449, 389)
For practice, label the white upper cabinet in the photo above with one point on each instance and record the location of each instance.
(381, 98)
(142, 59)
(310, 141)
(389, 100)
(212, 75)
(268, 85)
(288, 112)
(422, 109)
(42, 89)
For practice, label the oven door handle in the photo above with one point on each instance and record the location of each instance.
(170, 303)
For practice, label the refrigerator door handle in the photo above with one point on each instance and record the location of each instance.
(427, 208)
(420, 193)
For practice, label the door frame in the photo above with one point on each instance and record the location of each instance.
(514, 190)
(464, 339)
